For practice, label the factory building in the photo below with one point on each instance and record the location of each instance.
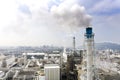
(34, 55)
(52, 72)
(41, 55)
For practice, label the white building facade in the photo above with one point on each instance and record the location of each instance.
(52, 72)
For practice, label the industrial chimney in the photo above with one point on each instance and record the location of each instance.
(89, 44)
(73, 44)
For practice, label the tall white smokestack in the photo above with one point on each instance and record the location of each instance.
(89, 42)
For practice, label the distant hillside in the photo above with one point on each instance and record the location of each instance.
(106, 45)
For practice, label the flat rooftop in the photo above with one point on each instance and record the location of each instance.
(52, 66)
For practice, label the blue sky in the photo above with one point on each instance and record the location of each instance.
(106, 18)
(31, 22)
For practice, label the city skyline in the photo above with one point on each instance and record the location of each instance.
(29, 22)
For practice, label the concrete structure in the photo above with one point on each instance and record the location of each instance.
(89, 44)
(25, 59)
(52, 72)
(2, 74)
(64, 56)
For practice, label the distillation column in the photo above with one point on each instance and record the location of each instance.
(89, 44)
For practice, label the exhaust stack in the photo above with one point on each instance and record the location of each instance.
(89, 44)
(73, 44)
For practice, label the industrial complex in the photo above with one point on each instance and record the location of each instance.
(83, 64)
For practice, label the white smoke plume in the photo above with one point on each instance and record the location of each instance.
(34, 22)
(71, 15)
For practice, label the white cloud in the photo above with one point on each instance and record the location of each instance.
(38, 27)
(8, 10)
